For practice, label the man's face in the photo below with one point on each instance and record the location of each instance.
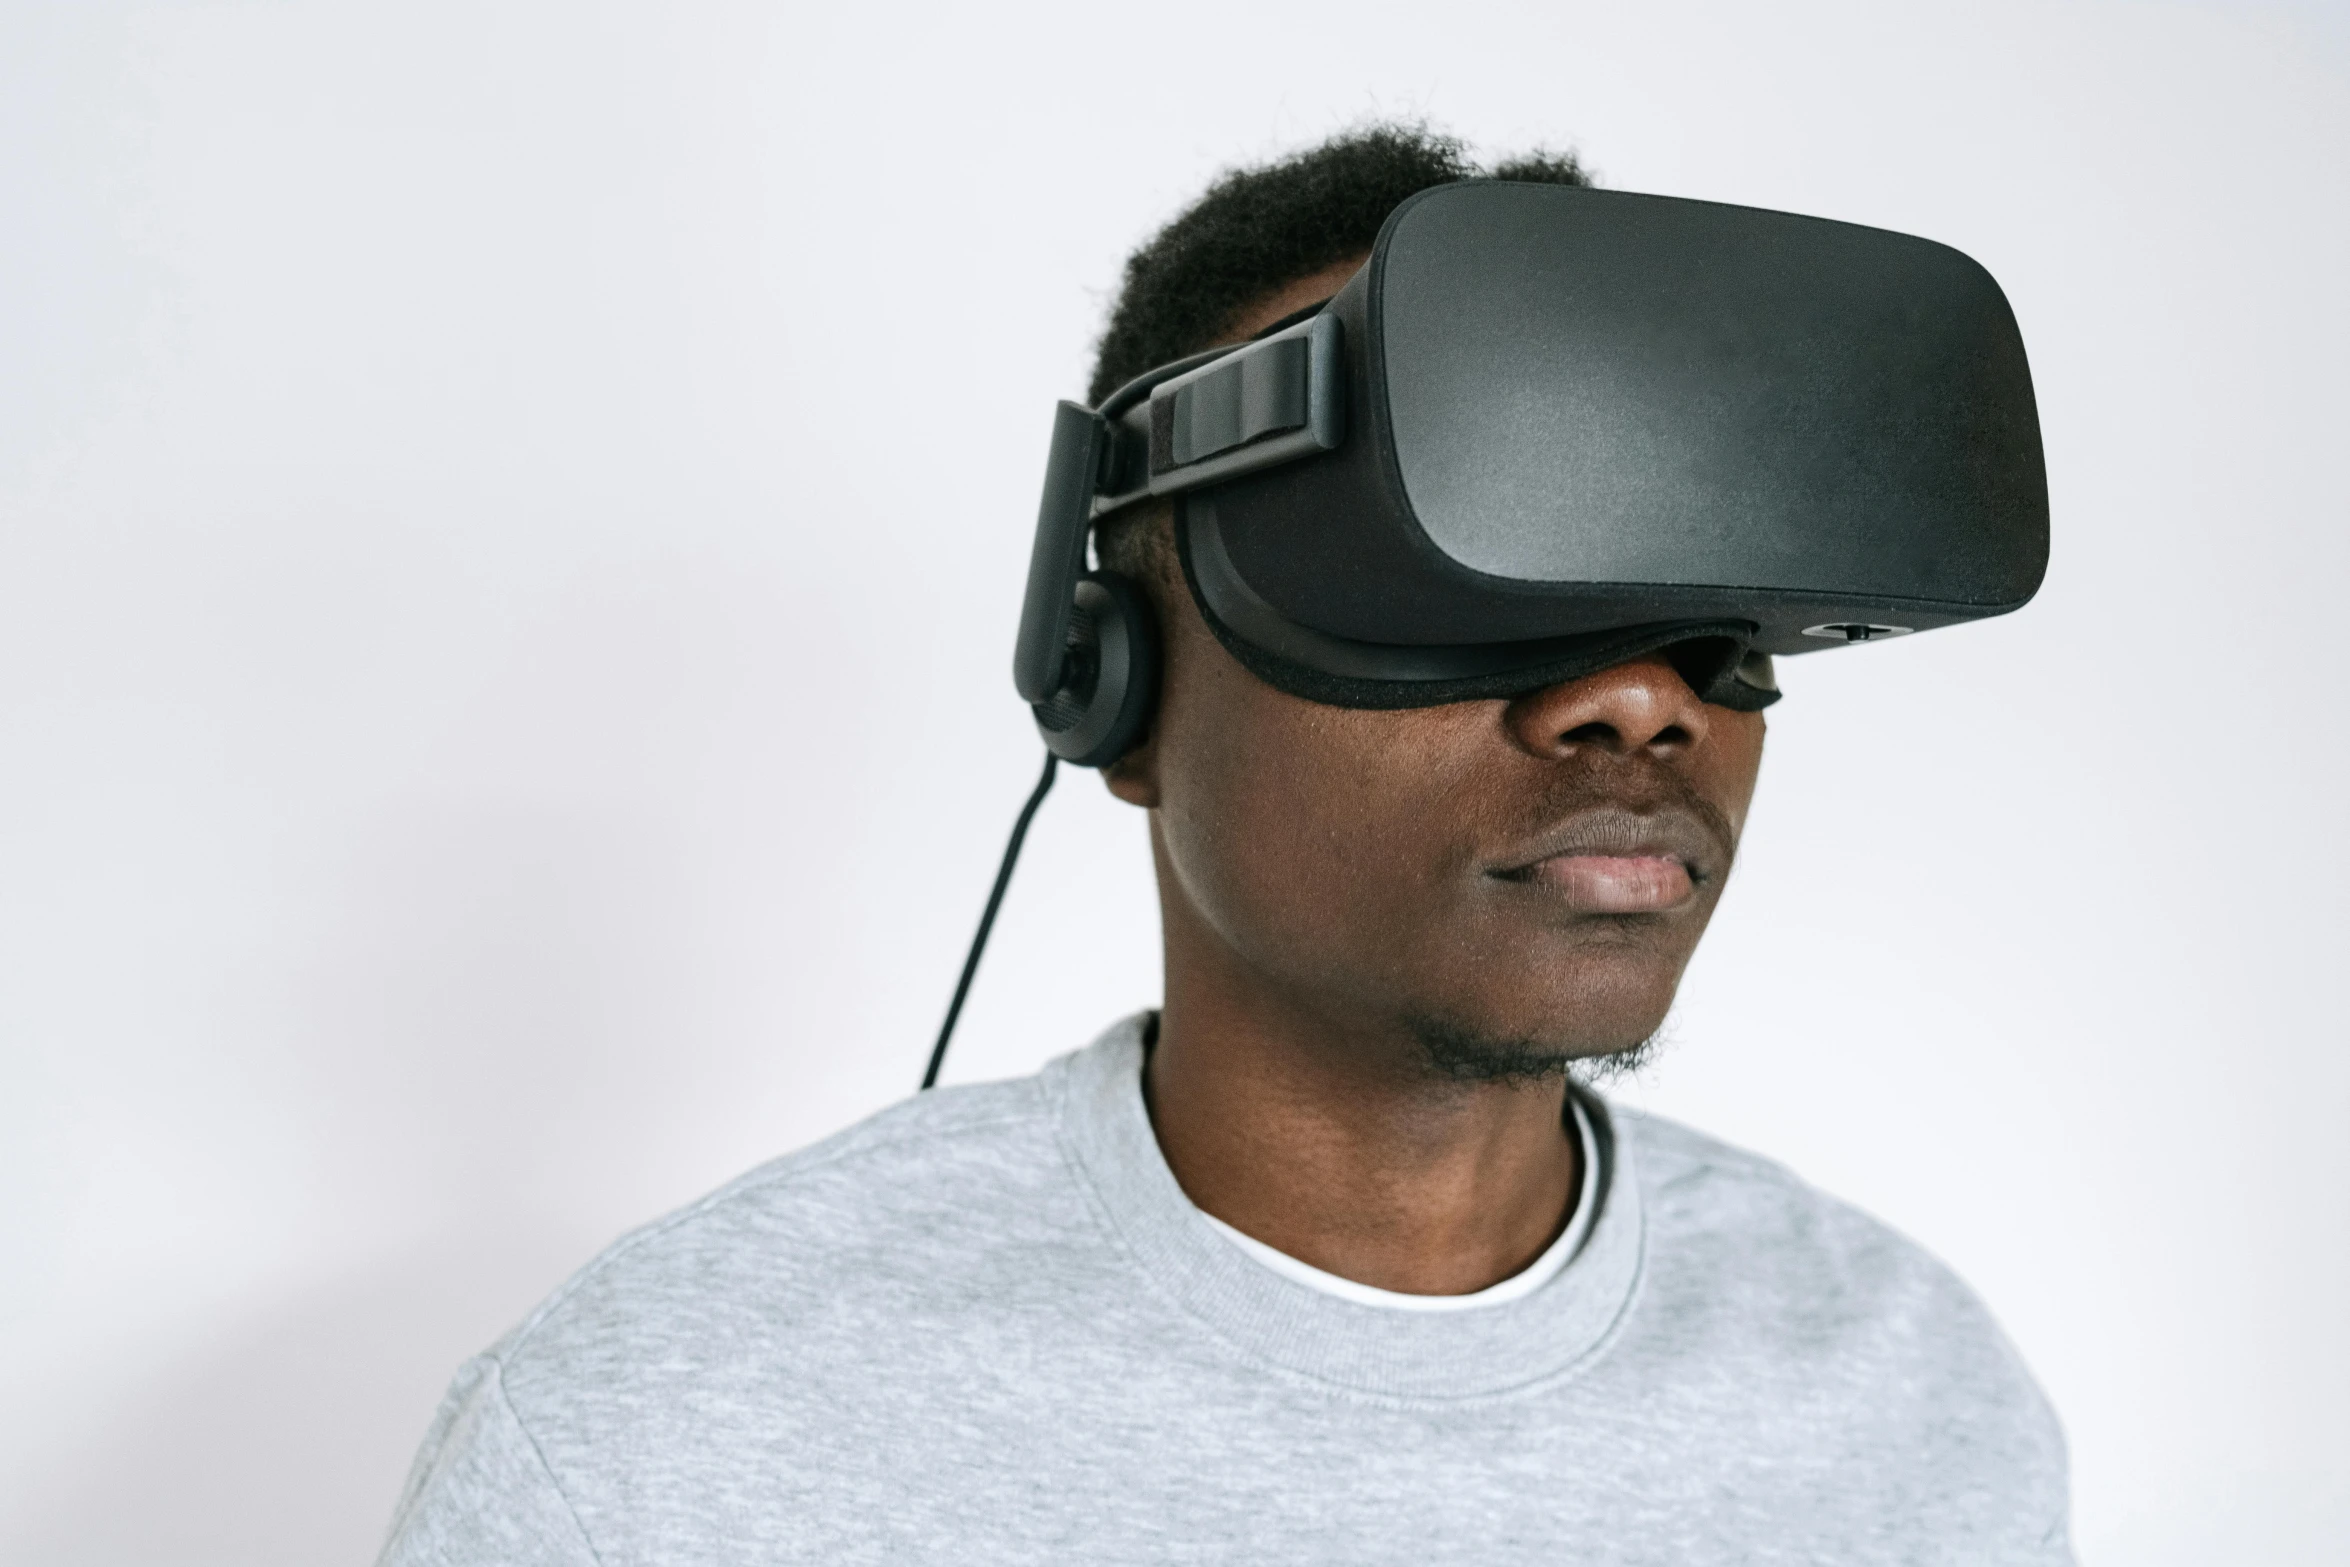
(1513, 883)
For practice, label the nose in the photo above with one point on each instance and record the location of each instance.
(1643, 706)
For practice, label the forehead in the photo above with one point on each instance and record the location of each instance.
(1292, 297)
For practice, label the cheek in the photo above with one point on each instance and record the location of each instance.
(1731, 765)
(1309, 837)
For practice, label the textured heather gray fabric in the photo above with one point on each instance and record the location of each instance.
(987, 1327)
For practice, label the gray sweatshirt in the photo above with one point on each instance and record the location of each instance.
(986, 1326)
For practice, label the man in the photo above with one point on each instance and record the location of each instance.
(1332, 1259)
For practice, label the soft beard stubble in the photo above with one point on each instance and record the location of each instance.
(1462, 1054)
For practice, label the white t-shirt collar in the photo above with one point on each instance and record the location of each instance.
(1517, 1286)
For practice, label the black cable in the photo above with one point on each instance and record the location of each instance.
(1003, 879)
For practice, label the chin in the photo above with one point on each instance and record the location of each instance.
(1468, 1053)
(1583, 1003)
(1548, 1030)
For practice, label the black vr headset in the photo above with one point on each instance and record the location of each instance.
(1545, 430)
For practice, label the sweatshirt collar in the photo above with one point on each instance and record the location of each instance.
(1440, 1356)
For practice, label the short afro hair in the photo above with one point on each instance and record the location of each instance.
(1259, 229)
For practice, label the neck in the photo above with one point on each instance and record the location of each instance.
(1325, 1133)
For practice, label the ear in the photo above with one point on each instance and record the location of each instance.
(1134, 777)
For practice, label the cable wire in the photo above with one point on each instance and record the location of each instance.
(1003, 879)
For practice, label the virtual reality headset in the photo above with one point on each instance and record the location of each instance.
(1546, 430)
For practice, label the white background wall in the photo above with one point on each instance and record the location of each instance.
(510, 526)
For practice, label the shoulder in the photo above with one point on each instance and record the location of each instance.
(926, 1201)
(1772, 1272)
(846, 1282)
(1759, 1217)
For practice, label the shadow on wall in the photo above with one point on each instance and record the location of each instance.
(284, 1443)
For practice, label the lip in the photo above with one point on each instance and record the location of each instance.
(1612, 861)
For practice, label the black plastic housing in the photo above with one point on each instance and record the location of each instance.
(1546, 427)
(1574, 410)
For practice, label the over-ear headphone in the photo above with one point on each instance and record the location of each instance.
(1087, 661)
(1109, 673)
